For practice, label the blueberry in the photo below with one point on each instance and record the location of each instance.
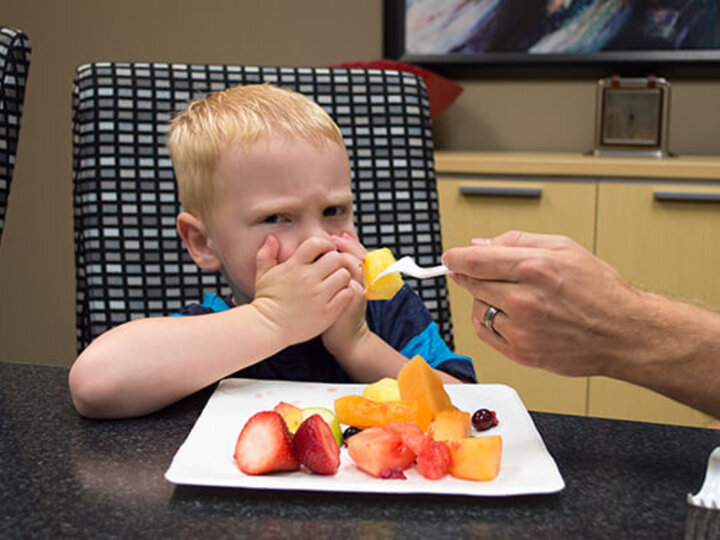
(349, 432)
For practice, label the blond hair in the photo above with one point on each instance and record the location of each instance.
(237, 116)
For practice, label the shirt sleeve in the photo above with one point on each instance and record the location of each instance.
(406, 325)
(212, 303)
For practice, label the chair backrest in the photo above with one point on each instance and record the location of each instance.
(130, 262)
(14, 64)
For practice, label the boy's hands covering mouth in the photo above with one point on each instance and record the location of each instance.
(302, 296)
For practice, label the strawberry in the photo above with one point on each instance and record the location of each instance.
(315, 447)
(380, 452)
(264, 445)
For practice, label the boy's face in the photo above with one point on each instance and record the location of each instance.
(289, 188)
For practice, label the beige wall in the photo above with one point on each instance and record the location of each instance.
(559, 116)
(36, 256)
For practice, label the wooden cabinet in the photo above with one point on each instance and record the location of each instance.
(656, 220)
(663, 238)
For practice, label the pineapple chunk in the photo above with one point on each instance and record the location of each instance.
(385, 389)
(384, 288)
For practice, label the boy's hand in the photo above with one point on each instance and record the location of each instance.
(353, 253)
(304, 295)
(343, 338)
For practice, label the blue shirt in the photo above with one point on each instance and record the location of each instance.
(403, 322)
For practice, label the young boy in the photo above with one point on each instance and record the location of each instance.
(264, 180)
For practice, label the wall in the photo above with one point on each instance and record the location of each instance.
(559, 116)
(37, 313)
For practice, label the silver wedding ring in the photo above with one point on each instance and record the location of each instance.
(489, 318)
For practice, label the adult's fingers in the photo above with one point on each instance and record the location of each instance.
(498, 263)
(499, 321)
(492, 292)
(499, 257)
(528, 240)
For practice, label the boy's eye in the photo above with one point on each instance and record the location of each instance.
(333, 211)
(275, 218)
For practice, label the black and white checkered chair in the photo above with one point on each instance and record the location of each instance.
(130, 262)
(14, 63)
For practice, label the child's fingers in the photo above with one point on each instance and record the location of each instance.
(352, 263)
(337, 280)
(347, 243)
(328, 263)
(358, 291)
(267, 256)
(339, 303)
(312, 249)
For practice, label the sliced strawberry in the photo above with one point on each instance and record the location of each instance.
(315, 447)
(264, 445)
(378, 449)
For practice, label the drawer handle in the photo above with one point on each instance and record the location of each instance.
(686, 196)
(501, 191)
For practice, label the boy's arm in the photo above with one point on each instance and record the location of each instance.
(142, 366)
(370, 358)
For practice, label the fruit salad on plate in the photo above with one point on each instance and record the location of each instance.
(393, 426)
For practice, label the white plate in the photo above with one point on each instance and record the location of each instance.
(205, 458)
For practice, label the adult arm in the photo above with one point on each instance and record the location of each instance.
(565, 310)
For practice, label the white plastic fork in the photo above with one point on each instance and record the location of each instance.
(709, 494)
(408, 266)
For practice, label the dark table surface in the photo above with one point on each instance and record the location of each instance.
(65, 476)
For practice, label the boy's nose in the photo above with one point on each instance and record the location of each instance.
(315, 229)
(290, 243)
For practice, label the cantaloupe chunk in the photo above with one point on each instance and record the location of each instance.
(374, 263)
(476, 458)
(362, 413)
(451, 425)
(418, 382)
(292, 415)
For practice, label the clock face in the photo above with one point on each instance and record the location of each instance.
(632, 117)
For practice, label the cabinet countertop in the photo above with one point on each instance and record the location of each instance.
(558, 164)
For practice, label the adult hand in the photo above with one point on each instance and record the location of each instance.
(561, 308)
